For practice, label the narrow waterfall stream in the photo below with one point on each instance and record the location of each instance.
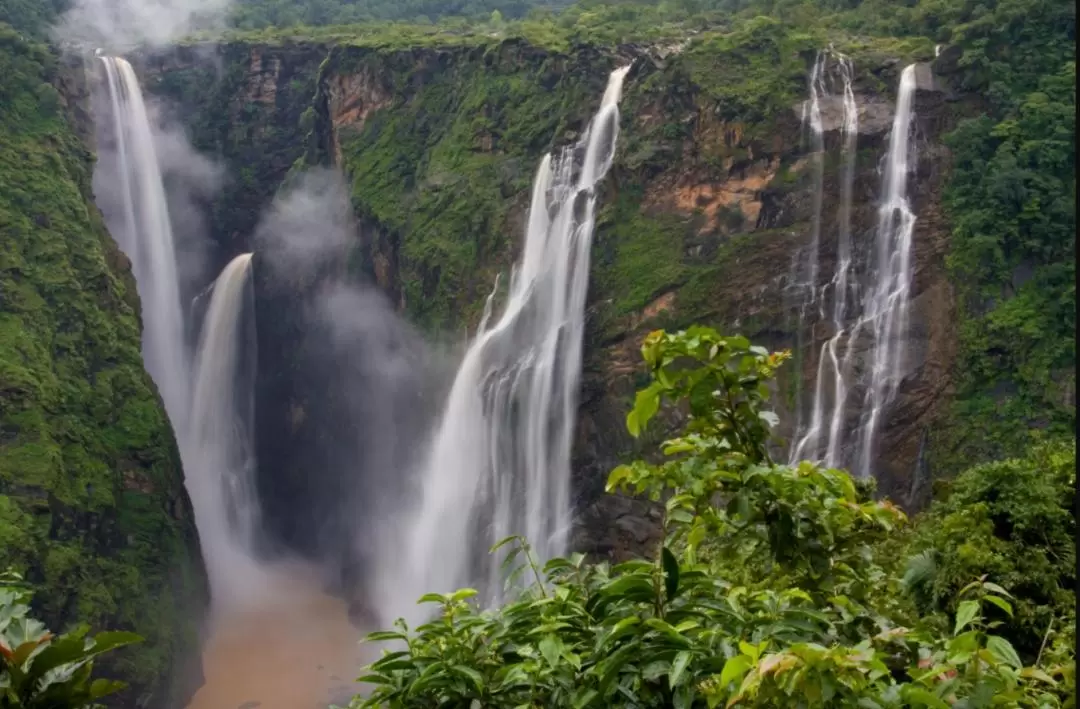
(145, 234)
(864, 306)
(500, 461)
(887, 302)
(221, 460)
(820, 436)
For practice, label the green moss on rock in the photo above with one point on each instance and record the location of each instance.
(92, 504)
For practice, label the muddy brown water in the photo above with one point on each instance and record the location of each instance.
(293, 648)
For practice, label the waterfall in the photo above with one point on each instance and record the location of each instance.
(499, 463)
(220, 457)
(824, 428)
(210, 412)
(145, 235)
(887, 303)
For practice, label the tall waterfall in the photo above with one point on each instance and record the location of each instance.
(821, 436)
(210, 412)
(220, 457)
(145, 235)
(887, 302)
(499, 463)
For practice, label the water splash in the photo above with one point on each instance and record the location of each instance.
(220, 458)
(500, 460)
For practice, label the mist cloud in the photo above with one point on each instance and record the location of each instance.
(117, 24)
(308, 228)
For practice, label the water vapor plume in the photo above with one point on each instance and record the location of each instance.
(308, 228)
(124, 24)
(360, 371)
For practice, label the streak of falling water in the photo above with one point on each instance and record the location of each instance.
(220, 457)
(500, 460)
(887, 303)
(210, 408)
(808, 440)
(843, 284)
(147, 239)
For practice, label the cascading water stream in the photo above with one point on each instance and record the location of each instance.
(886, 309)
(808, 441)
(222, 440)
(211, 418)
(499, 464)
(146, 236)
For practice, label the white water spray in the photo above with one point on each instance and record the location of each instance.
(210, 413)
(887, 304)
(500, 461)
(808, 441)
(220, 458)
(147, 239)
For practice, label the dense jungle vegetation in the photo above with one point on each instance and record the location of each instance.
(774, 584)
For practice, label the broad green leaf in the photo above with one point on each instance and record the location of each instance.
(1003, 650)
(668, 631)
(734, 669)
(646, 404)
(1036, 673)
(585, 699)
(475, 677)
(551, 647)
(1000, 603)
(965, 613)
(994, 588)
(917, 696)
(113, 639)
(103, 687)
(617, 476)
(432, 598)
(463, 593)
(678, 668)
(683, 698)
(671, 573)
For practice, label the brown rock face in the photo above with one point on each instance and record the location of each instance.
(351, 98)
(768, 183)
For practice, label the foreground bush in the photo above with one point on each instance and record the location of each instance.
(39, 670)
(765, 592)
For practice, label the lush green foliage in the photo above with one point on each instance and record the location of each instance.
(31, 16)
(251, 14)
(445, 167)
(1012, 203)
(1014, 520)
(40, 670)
(765, 592)
(92, 505)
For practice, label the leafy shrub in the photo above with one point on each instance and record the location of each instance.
(1015, 521)
(765, 591)
(39, 670)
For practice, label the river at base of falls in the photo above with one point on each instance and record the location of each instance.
(294, 648)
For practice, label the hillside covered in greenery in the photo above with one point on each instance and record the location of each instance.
(93, 511)
(769, 582)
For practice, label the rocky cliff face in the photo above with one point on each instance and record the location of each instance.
(92, 503)
(709, 201)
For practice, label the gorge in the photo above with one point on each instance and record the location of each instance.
(399, 319)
